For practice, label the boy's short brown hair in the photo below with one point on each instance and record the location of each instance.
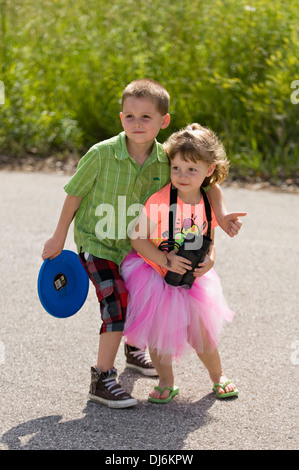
(150, 89)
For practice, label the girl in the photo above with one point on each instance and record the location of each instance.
(170, 320)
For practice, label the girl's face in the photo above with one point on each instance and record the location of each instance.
(188, 177)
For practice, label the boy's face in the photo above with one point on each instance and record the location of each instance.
(141, 120)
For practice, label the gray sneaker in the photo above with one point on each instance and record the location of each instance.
(105, 390)
(138, 359)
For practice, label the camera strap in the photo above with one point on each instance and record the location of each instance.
(172, 214)
(208, 211)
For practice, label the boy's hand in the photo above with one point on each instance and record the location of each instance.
(230, 223)
(52, 248)
(208, 263)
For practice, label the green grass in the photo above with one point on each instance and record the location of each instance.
(228, 65)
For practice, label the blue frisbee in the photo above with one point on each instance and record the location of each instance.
(62, 285)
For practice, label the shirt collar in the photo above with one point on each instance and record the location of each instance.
(122, 151)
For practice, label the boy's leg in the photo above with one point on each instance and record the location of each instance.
(112, 297)
(108, 347)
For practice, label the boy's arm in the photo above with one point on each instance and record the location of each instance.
(228, 221)
(54, 246)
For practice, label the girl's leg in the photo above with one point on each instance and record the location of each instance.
(211, 360)
(165, 372)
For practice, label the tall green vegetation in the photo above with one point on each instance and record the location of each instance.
(228, 65)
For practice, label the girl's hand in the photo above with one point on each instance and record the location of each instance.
(177, 264)
(230, 223)
(52, 248)
(203, 268)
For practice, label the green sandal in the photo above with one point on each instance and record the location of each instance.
(234, 393)
(173, 391)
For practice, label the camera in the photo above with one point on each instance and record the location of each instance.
(195, 249)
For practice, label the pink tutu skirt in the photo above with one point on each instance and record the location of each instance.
(170, 319)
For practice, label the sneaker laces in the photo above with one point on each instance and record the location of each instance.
(110, 382)
(142, 356)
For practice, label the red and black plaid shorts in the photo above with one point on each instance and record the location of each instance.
(110, 289)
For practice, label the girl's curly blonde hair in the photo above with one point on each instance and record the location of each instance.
(198, 143)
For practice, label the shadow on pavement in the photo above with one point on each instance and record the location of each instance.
(145, 427)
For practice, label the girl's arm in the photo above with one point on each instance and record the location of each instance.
(228, 221)
(141, 243)
(54, 246)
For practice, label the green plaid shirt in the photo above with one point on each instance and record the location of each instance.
(113, 186)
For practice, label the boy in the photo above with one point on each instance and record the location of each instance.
(118, 173)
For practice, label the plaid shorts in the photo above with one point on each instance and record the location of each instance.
(110, 289)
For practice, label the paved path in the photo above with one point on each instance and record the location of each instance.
(45, 362)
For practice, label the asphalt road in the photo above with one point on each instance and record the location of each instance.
(45, 362)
